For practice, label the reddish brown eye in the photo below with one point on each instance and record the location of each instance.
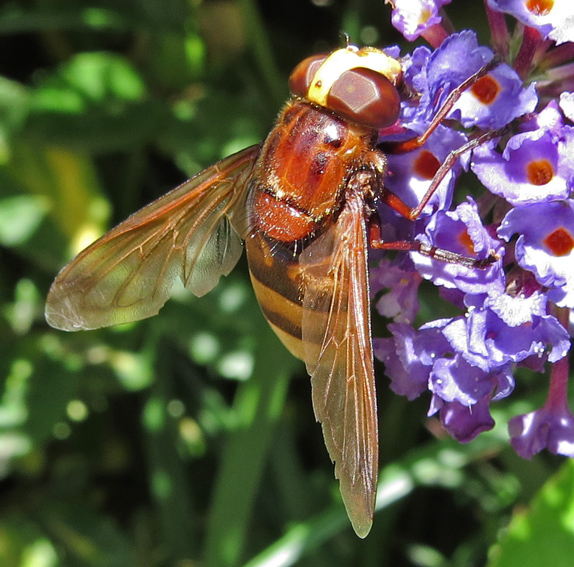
(366, 97)
(302, 75)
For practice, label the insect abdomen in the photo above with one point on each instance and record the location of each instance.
(277, 282)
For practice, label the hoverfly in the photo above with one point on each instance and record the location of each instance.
(303, 202)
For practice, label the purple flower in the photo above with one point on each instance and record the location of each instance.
(462, 232)
(551, 426)
(567, 105)
(545, 245)
(552, 19)
(409, 356)
(413, 17)
(495, 100)
(417, 360)
(455, 380)
(512, 295)
(400, 301)
(465, 423)
(492, 102)
(453, 62)
(499, 329)
(535, 166)
(415, 69)
(548, 119)
(410, 174)
(545, 427)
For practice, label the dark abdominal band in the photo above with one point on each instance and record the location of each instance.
(277, 282)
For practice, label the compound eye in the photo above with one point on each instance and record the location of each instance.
(366, 97)
(302, 76)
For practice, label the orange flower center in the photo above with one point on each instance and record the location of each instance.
(540, 7)
(540, 172)
(486, 89)
(426, 165)
(560, 242)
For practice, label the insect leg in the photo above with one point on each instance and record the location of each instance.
(434, 252)
(413, 213)
(438, 118)
(379, 165)
(409, 145)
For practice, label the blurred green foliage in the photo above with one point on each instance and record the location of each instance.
(189, 438)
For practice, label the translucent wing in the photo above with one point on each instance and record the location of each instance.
(338, 354)
(128, 273)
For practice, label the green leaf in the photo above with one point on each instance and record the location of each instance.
(86, 537)
(95, 77)
(20, 216)
(63, 181)
(544, 533)
(14, 19)
(14, 105)
(167, 476)
(97, 101)
(24, 544)
(258, 405)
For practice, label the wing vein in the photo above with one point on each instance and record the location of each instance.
(128, 273)
(338, 353)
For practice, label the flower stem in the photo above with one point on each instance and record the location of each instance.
(530, 43)
(557, 393)
(499, 32)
